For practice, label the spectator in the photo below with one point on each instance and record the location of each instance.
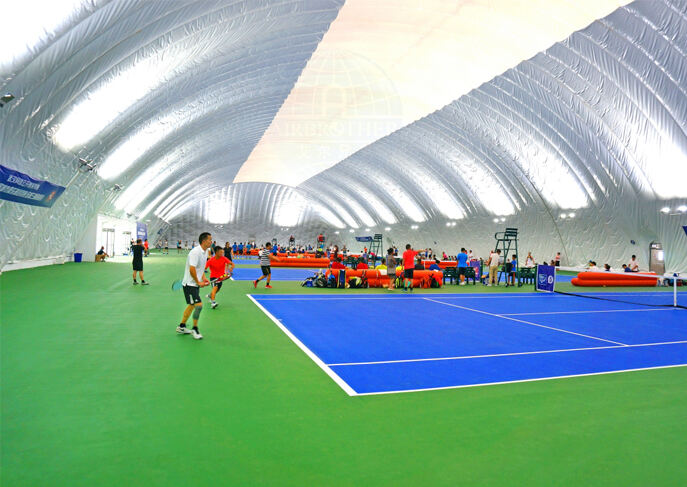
(362, 265)
(626, 268)
(493, 263)
(418, 264)
(337, 264)
(391, 267)
(557, 259)
(607, 268)
(462, 263)
(634, 265)
(529, 260)
(435, 266)
(101, 255)
(471, 256)
(513, 269)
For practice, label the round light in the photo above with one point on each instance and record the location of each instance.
(414, 227)
(367, 229)
(496, 220)
(571, 215)
(665, 209)
(448, 224)
(563, 216)
(351, 231)
(337, 232)
(503, 219)
(682, 208)
(387, 228)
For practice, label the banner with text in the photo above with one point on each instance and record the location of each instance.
(546, 277)
(21, 188)
(141, 231)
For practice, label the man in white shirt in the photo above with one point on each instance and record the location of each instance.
(634, 265)
(194, 279)
(494, 258)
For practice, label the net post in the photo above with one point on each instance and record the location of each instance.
(675, 274)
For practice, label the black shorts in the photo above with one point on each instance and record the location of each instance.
(408, 273)
(218, 285)
(192, 294)
(462, 271)
(138, 265)
(266, 271)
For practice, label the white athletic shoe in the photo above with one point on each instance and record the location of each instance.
(183, 330)
(213, 305)
(196, 335)
(462, 283)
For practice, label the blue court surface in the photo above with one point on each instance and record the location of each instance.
(372, 344)
(278, 273)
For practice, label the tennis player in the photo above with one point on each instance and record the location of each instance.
(194, 279)
(266, 257)
(137, 262)
(219, 265)
(409, 267)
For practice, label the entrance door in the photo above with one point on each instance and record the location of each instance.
(108, 240)
(656, 262)
(126, 241)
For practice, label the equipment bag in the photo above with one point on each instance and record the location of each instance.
(342, 279)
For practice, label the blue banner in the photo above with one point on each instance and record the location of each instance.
(684, 227)
(546, 278)
(20, 188)
(364, 239)
(141, 231)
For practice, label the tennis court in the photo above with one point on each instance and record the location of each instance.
(398, 343)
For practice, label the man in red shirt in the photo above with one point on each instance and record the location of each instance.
(337, 264)
(409, 266)
(218, 267)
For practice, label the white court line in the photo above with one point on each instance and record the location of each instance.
(348, 389)
(463, 357)
(520, 380)
(579, 312)
(525, 322)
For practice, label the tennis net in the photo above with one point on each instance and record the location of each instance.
(641, 288)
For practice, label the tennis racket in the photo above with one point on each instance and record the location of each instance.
(179, 284)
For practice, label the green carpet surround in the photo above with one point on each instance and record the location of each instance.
(98, 390)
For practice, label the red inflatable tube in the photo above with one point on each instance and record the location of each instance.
(613, 282)
(296, 262)
(607, 276)
(377, 279)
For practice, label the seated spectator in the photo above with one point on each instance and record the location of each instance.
(101, 255)
(529, 260)
(592, 267)
(626, 268)
(435, 266)
(362, 265)
(634, 265)
(607, 268)
(418, 264)
(337, 264)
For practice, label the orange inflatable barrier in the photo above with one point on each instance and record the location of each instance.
(300, 262)
(377, 279)
(606, 279)
(613, 282)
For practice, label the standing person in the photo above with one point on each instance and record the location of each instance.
(391, 267)
(219, 265)
(266, 257)
(166, 247)
(493, 263)
(634, 265)
(137, 250)
(186, 245)
(227, 252)
(193, 281)
(146, 248)
(178, 246)
(409, 267)
(557, 259)
(513, 269)
(471, 256)
(529, 260)
(462, 259)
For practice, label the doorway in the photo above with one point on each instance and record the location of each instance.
(107, 240)
(656, 258)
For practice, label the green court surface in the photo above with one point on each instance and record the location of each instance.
(98, 390)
